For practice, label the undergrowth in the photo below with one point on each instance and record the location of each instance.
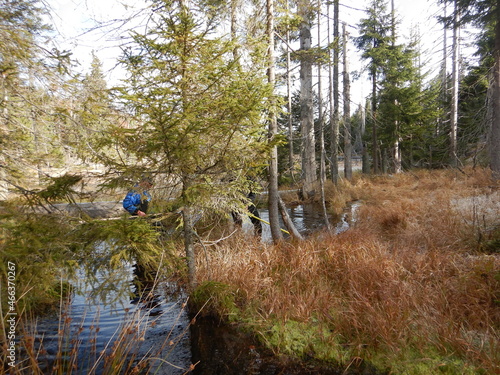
(407, 289)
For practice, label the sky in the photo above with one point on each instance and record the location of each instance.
(74, 18)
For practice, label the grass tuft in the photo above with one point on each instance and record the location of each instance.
(406, 289)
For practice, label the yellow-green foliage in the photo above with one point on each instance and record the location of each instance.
(46, 247)
(408, 361)
(60, 189)
(40, 247)
(307, 339)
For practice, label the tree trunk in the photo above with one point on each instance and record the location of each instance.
(289, 94)
(288, 221)
(347, 112)
(334, 110)
(494, 138)
(189, 246)
(396, 153)
(365, 158)
(397, 156)
(375, 148)
(454, 100)
(384, 159)
(306, 103)
(322, 167)
(273, 130)
(440, 126)
(234, 7)
(320, 131)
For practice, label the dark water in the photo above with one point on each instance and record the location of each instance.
(309, 218)
(147, 324)
(159, 327)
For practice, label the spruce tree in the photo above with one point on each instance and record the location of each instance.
(373, 42)
(485, 14)
(197, 113)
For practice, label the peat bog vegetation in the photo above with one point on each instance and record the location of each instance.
(413, 287)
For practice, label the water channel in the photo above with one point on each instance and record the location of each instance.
(159, 323)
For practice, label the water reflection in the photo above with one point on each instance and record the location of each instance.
(140, 317)
(161, 326)
(309, 218)
(146, 296)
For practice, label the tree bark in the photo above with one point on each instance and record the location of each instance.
(365, 163)
(334, 110)
(189, 246)
(375, 148)
(322, 167)
(273, 130)
(454, 100)
(289, 94)
(494, 138)
(292, 229)
(347, 112)
(444, 75)
(234, 7)
(306, 103)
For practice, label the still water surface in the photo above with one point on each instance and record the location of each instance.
(160, 324)
(147, 325)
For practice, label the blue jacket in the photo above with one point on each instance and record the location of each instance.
(135, 199)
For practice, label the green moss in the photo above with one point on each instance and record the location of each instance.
(307, 340)
(315, 341)
(216, 299)
(427, 362)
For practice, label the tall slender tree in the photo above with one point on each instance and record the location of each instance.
(25, 67)
(305, 10)
(291, 161)
(92, 115)
(374, 39)
(334, 97)
(347, 110)
(273, 131)
(494, 139)
(486, 14)
(321, 128)
(455, 60)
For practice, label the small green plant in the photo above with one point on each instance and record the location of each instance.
(215, 298)
(307, 340)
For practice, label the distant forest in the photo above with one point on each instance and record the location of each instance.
(230, 91)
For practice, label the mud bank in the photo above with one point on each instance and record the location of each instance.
(223, 349)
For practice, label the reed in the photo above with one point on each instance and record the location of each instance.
(405, 289)
(77, 352)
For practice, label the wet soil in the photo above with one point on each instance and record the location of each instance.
(221, 349)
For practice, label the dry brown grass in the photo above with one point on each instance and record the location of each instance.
(407, 278)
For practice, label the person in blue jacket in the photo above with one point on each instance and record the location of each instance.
(137, 200)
